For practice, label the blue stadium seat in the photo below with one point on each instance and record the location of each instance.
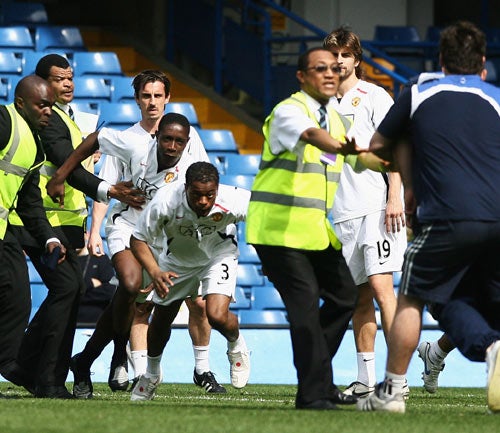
(396, 33)
(4, 90)
(119, 115)
(219, 159)
(31, 59)
(92, 88)
(11, 82)
(39, 292)
(396, 276)
(33, 273)
(122, 90)
(185, 108)
(239, 180)
(16, 38)
(10, 63)
(249, 275)
(85, 106)
(218, 140)
(100, 63)
(266, 298)
(27, 13)
(242, 164)
(240, 299)
(247, 253)
(399, 42)
(263, 318)
(64, 38)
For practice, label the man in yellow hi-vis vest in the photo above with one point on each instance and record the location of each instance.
(287, 223)
(21, 156)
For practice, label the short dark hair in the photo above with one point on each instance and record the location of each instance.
(462, 48)
(46, 62)
(303, 61)
(150, 76)
(203, 172)
(170, 118)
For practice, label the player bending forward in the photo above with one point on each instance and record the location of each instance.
(197, 224)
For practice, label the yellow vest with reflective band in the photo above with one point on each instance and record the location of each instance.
(292, 193)
(17, 160)
(74, 212)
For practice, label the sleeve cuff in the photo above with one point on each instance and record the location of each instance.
(48, 241)
(103, 191)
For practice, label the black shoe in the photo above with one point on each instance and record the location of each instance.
(118, 376)
(133, 383)
(207, 380)
(323, 404)
(53, 391)
(338, 397)
(82, 385)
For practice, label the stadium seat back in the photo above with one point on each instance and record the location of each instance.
(242, 164)
(119, 115)
(65, 38)
(218, 140)
(185, 108)
(266, 298)
(262, 318)
(92, 88)
(101, 63)
(122, 90)
(16, 38)
(26, 13)
(240, 180)
(10, 63)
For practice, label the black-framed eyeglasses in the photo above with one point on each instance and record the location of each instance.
(321, 69)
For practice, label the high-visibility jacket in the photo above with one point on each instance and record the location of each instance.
(292, 193)
(17, 160)
(74, 212)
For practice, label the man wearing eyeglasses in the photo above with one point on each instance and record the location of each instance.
(368, 211)
(288, 224)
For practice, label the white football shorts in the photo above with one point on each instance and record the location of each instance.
(216, 277)
(118, 235)
(368, 248)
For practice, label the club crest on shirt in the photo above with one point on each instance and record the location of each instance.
(355, 101)
(217, 217)
(169, 177)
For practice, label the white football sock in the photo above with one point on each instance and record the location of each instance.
(201, 362)
(139, 361)
(366, 368)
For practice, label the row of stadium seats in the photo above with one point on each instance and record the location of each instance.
(46, 38)
(103, 64)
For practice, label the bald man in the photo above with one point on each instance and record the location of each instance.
(20, 158)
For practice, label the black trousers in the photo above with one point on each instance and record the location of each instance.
(46, 348)
(15, 300)
(303, 278)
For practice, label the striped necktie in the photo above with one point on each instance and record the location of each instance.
(71, 113)
(322, 117)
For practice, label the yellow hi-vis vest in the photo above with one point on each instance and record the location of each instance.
(17, 160)
(74, 212)
(292, 194)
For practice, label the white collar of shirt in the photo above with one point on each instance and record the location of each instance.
(314, 105)
(63, 107)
